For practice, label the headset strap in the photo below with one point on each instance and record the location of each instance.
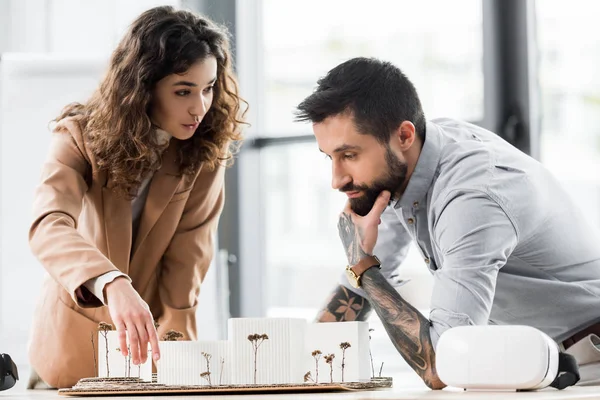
(568, 372)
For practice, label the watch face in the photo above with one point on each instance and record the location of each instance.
(352, 278)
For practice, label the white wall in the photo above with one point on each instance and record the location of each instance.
(33, 89)
(67, 25)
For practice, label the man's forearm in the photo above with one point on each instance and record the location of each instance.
(406, 327)
(344, 305)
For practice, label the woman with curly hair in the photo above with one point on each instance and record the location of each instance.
(131, 194)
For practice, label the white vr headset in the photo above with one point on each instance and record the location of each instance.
(509, 357)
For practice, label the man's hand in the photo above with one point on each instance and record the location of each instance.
(359, 234)
(132, 316)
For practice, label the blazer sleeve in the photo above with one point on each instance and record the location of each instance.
(190, 253)
(53, 237)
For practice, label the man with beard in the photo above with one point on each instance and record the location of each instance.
(502, 238)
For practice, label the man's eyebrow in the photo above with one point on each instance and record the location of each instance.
(346, 147)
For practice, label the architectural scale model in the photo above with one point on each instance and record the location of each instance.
(260, 353)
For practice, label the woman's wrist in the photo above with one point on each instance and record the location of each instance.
(116, 284)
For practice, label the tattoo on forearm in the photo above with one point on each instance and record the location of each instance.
(351, 236)
(344, 305)
(406, 327)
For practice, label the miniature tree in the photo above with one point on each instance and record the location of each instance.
(124, 358)
(308, 377)
(221, 372)
(371, 355)
(156, 326)
(317, 356)
(94, 353)
(344, 346)
(256, 341)
(329, 360)
(172, 336)
(128, 361)
(127, 358)
(103, 327)
(140, 365)
(206, 374)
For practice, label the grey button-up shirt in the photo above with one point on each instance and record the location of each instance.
(504, 241)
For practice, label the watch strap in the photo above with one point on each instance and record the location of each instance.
(364, 264)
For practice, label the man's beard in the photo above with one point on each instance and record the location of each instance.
(392, 181)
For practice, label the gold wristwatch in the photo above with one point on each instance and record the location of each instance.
(355, 272)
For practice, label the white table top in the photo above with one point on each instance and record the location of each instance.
(406, 386)
(397, 393)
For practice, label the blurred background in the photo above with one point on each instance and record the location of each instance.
(524, 69)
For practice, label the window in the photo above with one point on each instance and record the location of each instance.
(569, 58)
(441, 55)
(302, 41)
(298, 42)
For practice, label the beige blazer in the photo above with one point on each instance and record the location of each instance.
(81, 230)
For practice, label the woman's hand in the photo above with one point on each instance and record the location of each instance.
(132, 316)
(359, 234)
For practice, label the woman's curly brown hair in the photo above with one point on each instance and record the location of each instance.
(115, 120)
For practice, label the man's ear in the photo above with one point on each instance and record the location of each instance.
(404, 135)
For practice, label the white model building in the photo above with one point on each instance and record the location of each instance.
(278, 358)
(284, 358)
(327, 337)
(184, 362)
(118, 365)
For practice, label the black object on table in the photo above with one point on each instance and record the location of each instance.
(9, 375)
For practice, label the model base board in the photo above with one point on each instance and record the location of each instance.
(128, 386)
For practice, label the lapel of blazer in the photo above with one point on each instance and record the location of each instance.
(163, 185)
(117, 226)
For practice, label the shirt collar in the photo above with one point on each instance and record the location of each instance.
(422, 176)
(162, 136)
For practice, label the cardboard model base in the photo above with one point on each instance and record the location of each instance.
(128, 386)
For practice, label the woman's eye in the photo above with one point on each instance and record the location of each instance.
(349, 156)
(208, 89)
(182, 92)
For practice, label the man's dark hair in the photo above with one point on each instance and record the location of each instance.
(376, 93)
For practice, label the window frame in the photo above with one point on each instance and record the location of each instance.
(510, 109)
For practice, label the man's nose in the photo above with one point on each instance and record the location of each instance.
(339, 177)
